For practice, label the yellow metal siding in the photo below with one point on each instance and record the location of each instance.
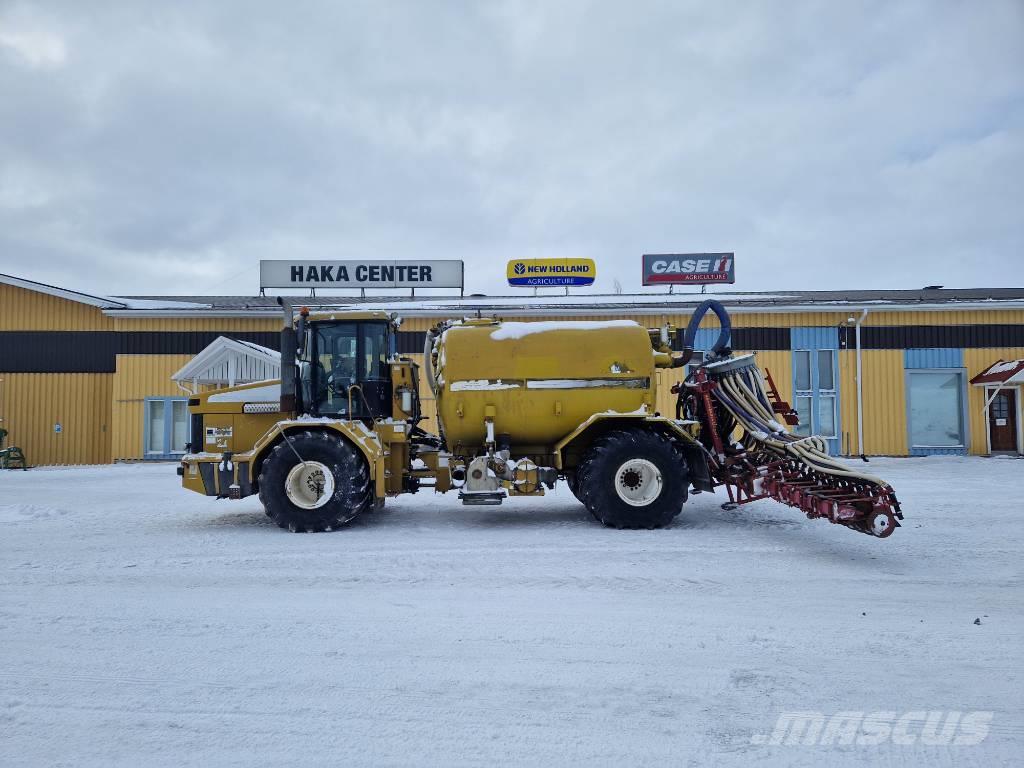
(884, 396)
(139, 377)
(25, 310)
(32, 403)
(975, 361)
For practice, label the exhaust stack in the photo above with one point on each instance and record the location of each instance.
(287, 358)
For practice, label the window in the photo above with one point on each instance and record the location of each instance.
(826, 370)
(157, 430)
(815, 396)
(166, 427)
(802, 370)
(350, 370)
(179, 425)
(936, 409)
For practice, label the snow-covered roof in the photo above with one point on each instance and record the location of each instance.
(102, 302)
(579, 303)
(1001, 372)
(584, 303)
(230, 361)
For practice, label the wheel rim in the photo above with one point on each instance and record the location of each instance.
(882, 524)
(638, 482)
(309, 485)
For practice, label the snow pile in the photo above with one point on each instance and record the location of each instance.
(151, 626)
(1005, 366)
(583, 383)
(158, 303)
(519, 330)
(480, 385)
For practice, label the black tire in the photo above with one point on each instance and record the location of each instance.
(572, 481)
(599, 475)
(352, 495)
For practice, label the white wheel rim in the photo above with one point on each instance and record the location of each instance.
(309, 485)
(638, 482)
(880, 524)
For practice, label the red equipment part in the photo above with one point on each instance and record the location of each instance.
(755, 473)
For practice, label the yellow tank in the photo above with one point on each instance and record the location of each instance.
(538, 381)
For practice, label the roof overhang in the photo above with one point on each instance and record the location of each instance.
(62, 293)
(1001, 373)
(220, 351)
(526, 308)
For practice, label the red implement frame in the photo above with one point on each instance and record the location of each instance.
(750, 473)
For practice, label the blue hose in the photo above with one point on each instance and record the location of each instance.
(723, 317)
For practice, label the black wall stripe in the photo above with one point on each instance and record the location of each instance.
(940, 336)
(96, 351)
(410, 342)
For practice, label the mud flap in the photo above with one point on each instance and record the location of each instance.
(697, 461)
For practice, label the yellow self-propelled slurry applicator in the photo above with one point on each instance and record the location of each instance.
(520, 406)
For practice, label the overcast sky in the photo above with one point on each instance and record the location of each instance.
(167, 147)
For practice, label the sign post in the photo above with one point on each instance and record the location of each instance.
(688, 269)
(405, 273)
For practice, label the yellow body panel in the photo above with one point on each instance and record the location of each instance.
(538, 384)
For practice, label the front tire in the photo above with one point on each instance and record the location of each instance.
(328, 488)
(633, 479)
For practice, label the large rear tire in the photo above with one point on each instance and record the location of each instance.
(633, 479)
(327, 489)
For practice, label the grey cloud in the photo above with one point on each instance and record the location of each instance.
(167, 147)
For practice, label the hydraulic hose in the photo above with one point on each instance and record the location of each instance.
(743, 394)
(690, 335)
(428, 365)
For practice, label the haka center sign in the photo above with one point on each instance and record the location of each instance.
(536, 273)
(361, 274)
(681, 268)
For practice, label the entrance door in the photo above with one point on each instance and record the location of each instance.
(1002, 421)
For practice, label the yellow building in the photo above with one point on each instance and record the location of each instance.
(87, 379)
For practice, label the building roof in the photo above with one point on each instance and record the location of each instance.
(230, 361)
(525, 304)
(592, 303)
(1001, 372)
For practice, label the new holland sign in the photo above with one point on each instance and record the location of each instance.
(361, 274)
(537, 273)
(676, 268)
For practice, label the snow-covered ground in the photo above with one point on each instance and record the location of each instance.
(144, 625)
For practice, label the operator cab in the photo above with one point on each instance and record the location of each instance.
(343, 366)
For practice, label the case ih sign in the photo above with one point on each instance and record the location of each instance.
(681, 268)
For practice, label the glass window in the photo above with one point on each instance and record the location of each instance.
(179, 425)
(827, 416)
(803, 410)
(335, 366)
(826, 369)
(802, 369)
(1001, 407)
(375, 351)
(348, 354)
(936, 410)
(155, 414)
